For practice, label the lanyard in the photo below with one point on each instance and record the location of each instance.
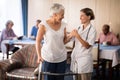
(87, 32)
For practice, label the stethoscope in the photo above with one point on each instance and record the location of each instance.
(87, 32)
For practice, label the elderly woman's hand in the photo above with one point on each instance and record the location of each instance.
(69, 36)
(40, 59)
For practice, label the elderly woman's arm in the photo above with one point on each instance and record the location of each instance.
(6, 37)
(40, 33)
(66, 37)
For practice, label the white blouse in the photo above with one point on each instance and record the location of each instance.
(53, 49)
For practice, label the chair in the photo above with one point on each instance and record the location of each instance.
(118, 36)
(95, 55)
(6, 49)
(116, 69)
(98, 63)
(21, 66)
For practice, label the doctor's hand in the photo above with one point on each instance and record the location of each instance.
(74, 33)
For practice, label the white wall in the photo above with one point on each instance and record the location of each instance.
(106, 12)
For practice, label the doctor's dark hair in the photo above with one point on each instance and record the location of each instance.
(88, 12)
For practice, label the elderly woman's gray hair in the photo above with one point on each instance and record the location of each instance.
(9, 22)
(56, 8)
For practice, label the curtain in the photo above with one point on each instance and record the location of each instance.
(25, 16)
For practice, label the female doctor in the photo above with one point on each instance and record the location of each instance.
(85, 36)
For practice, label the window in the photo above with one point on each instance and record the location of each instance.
(11, 10)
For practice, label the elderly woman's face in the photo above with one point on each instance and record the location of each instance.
(84, 18)
(60, 16)
(10, 25)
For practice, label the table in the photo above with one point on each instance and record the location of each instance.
(24, 41)
(110, 53)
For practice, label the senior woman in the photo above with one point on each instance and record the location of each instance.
(85, 36)
(8, 34)
(52, 53)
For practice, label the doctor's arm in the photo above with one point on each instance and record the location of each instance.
(83, 42)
